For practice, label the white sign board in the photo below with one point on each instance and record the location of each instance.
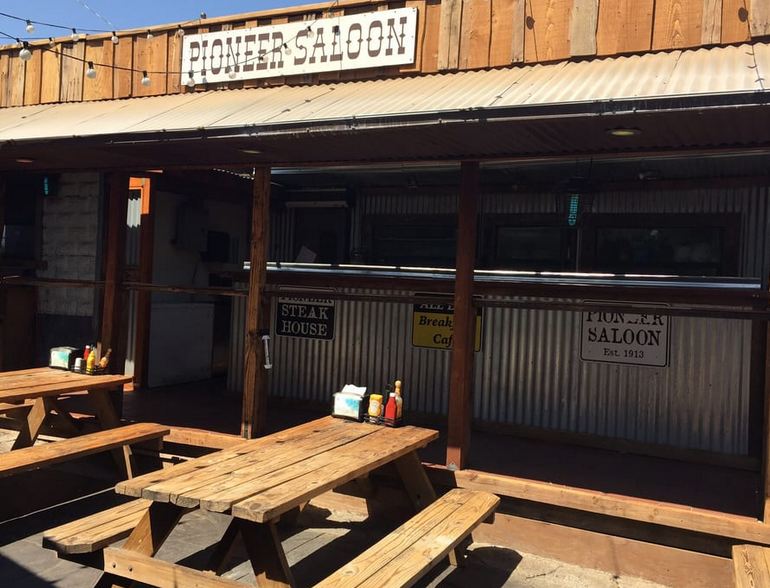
(371, 39)
(625, 338)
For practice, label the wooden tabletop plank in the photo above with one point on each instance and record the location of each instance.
(188, 489)
(390, 444)
(750, 566)
(136, 486)
(26, 371)
(251, 481)
(63, 387)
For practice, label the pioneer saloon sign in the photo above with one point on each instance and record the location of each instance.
(372, 39)
(624, 337)
(306, 318)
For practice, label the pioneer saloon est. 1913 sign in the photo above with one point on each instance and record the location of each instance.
(624, 337)
(371, 39)
(305, 317)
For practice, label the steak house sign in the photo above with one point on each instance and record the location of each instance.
(372, 39)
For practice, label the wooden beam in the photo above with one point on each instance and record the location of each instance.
(114, 257)
(144, 297)
(461, 377)
(654, 512)
(764, 372)
(583, 22)
(255, 377)
(759, 19)
(519, 24)
(711, 27)
(618, 556)
(449, 35)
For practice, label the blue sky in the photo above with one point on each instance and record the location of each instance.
(124, 14)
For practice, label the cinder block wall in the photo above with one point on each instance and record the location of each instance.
(69, 250)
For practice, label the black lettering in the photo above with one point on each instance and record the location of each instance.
(277, 51)
(248, 53)
(393, 34)
(654, 338)
(217, 44)
(353, 54)
(374, 36)
(262, 38)
(592, 334)
(233, 54)
(319, 44)
(301, 36)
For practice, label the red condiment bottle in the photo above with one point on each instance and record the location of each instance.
(391, 408)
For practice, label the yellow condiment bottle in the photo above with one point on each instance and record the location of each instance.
(375, 405)
(91, 362)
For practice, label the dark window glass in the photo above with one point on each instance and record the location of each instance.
(531, 248)
(410, 243)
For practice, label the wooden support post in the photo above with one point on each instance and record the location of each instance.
(114, 256)
(255, 377)
(461, 377)
(144, 297)
(763, 370)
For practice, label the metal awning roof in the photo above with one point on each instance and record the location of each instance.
(330, 119)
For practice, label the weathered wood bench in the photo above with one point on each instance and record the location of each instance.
(96, 531)
(412, 550)
(751, 566)
(30, 458)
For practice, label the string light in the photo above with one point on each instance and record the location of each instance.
(190, 83)
(180, 31)
(115, 39)
(25, 54)
(286, 49)
(233, 74)
(51, 42)
(145, 79)
(149, 34)
(75, 36)
(310, 33)
(30, 28)
(91, 71)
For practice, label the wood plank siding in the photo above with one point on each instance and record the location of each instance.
(452, 35)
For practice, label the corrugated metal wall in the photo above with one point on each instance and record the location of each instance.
(529, 371)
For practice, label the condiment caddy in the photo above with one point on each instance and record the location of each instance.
(90, 364)
(386, 409)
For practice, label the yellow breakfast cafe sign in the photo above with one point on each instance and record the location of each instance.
(433, 326)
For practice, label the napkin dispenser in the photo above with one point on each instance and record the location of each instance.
(350, 403)
(63, 358)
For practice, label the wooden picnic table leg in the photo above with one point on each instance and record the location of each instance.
(266, 554)
(223, 548)
(422, 493)
(147, 537)
(31, 426)
(108, 418)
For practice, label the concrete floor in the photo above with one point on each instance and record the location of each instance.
(318, 544)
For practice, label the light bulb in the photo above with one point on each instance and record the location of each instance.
(51, 42)
(310, 34)
(204, 80)
(91, 72)
(286, 49)
(190, 81)
(149, 35)
(25, 54)
(30, 28)
(180, 32)
(233, 74)
(145, 79)
(75, 36)
(115, 40)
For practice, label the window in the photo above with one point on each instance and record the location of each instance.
(528, 243)
(681, 244)
(417, 241)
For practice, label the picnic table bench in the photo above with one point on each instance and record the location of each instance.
(32, 398)
(258, 481)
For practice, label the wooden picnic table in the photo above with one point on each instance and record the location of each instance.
(35, 394)
(256, 482)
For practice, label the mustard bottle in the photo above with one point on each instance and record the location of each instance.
(91, 362)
